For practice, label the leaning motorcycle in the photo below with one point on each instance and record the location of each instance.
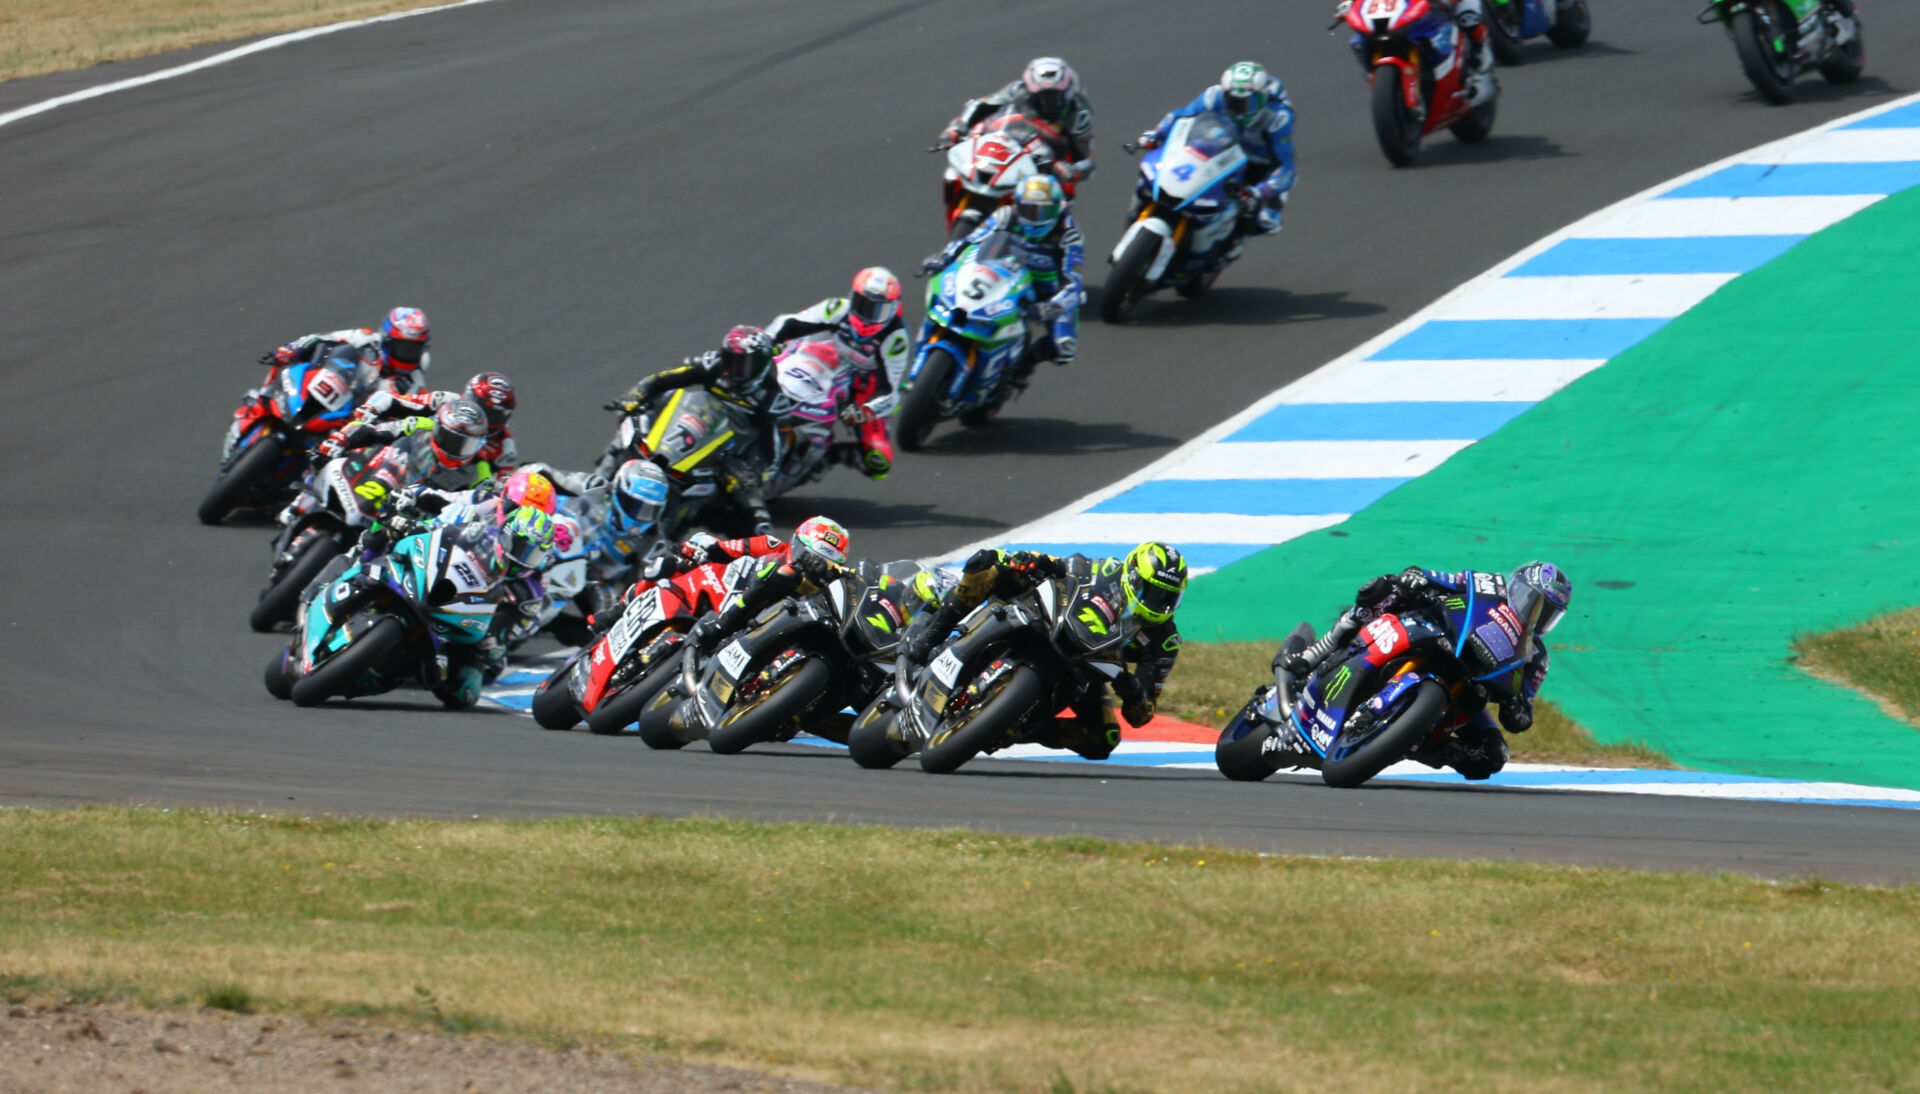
(1418, 670)
(973, 339)
(389, 621)
(811, 395)
(1565, 23)
(344, 496)
(270, 442)
(687, 432)
(986, 166)
(1416, 62)
(797, 666)
(1777, 40)
(1188, 207)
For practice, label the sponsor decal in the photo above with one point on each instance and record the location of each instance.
(1508, 621)
(734, 659)
(1339, 682)
(1100, 602)
(1483, 585)
(946, 668)
(1386, 635)
(1498, 646)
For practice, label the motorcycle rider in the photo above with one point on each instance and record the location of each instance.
(740, 375)
(1538, 594)
(867, 329)
(698, 550)
(448, 458)
(492, 390)
(816, 555)
(1470, 17)
(1048, 91)
(1049, 243)
(1151, 579)
(392, 359)
(1257, 104)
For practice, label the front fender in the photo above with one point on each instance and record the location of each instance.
(1158, 227)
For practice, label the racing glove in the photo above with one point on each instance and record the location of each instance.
(1516, 714)
(1148, 141)
(706, 634)
(932, 263)
(1413, 581)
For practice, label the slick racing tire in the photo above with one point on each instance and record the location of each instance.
(742, 727)
(553, 705)
(998, 714)
(279, 599)
(1477, 125)
(617, 712)
(656, 719)
(1571, 28)
(1397, 130)
(372, 648)
(919, 409)
(1128, 281)
(1241, 753)
(242, 481)
(1504, 19)
(1416, 720)
(868, 743)
(279, 677)
(1771, 71)
(1847, 62)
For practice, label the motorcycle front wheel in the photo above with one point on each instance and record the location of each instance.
(1572, 26)
(1415, 721)
(1393, 124)
(1127, 283)
(1504, 19)
(243, 480)
(1761, 44)
(868, 742)
(762, 719)
(996, 715)
(372, 648)
(279, 599)
(616, 713)
(919, 408)
(553, 705)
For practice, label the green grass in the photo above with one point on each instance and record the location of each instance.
(1213, 679)
(1880, 657)
(963, 961)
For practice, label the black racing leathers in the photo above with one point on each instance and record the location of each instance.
(746, 464)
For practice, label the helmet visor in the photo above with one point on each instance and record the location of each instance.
(401, 351)
(1048, 103)
(637, 512)
(525, 551)
(456, 445)
(873, 313)
(1152, 602)
(1536, 609)
(1244, 104)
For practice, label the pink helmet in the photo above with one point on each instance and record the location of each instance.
(1050, 82)
(528, 488)
(875, 302)
(403, 339)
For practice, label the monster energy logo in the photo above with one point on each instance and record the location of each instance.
(880, 621)
(1093, 621)
(1455, 604)
(1339, 682)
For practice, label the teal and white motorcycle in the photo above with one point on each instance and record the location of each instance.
(973, 344)
(389, 621)
(1779, 39)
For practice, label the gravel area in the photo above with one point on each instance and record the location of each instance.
(72, 1049)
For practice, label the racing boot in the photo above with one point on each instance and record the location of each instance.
(1482, 86)
(1090, 739)
(1476, 751)
(1336, 638)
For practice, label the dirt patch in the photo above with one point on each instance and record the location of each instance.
(71, 1049)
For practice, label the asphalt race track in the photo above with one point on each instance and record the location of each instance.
(578, 191)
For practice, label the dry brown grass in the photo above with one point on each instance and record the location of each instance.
(1879, 658)
(55, 35)
(970, 962)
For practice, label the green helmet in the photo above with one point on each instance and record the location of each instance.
(1244, 89)
(526, 538)
(1154, 577)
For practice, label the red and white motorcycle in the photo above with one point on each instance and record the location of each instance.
(1416, 62)
(987, 165)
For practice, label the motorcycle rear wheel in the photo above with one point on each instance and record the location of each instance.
(1771, 71)
(553, 705)
(370, 649)
(656, 721)
(1504, 19)
(1572, 27)
(279, 599)
(1127, 283)
(1393, 125)
(919, 409)
(868, 742)
(742, 727)
(1390, 744)
(615, 714)
(279, 677)
(999, 713)
(242, 481)
(1847, 62)
(1241, 753)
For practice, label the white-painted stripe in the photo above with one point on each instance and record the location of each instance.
(1679, 218)
(234, 54)
(1850, 146)
(1132, 528)
(1442, 381)
(1608, 296)
(1319, 459)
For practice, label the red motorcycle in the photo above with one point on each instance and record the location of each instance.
(986, 166)
(1416, 62)
(609, 680)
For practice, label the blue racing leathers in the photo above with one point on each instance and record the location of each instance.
(1267, 141)
(1054, 261)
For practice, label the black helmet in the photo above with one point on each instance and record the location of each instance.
(746, 356)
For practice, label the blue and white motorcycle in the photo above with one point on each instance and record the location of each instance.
(973, 344)
(1186, 205)
(391, 621)
(1566, 24)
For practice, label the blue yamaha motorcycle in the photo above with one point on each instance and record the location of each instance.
(1510, 22)
(972, 344)
(271, 439)
(1186, 206)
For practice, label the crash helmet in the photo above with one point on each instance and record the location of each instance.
(403, 340)
(1539, 593)
(1050, 83)
(528, 488)
(818, 540)
(1154, 578)
(459, 432)
(494, 393)
(639, 494)
(746, 356)
(527, 539)
(1038, 206)
(1245, 90)
(874, 304)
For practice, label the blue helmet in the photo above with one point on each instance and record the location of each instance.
(1038, 206)
(639, 494)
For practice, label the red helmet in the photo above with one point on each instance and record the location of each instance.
(494, 393)
(403, 339)
(1050, 82)
(875, 302)
(459, 433)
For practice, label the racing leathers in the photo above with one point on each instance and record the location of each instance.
(1092, 729)
(699, 550)
(877, 365)
(779, 577)
(470, 665)
(1475, 748)
(500, 452)
(1268, 143)
(1070, 137)
(746, 463)
(362, 346)
(1054, 261)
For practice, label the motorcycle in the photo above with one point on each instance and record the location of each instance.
(608, 681)
(796, 666)
(687, 432)
(270, 443)
(973, 340)
(1418, 670)
(1566, 23)
(1777, 40)
(343, 496)
(812, 390)
(1010, 666)
(1416, 61)
(986, 166)
(388, 621)
(1188, 208)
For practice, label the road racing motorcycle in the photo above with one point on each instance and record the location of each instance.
(1777, 40)
(270, 443)
(1418, 669)
(986, 166)
(1416, 62)
(688, 432)
(812, 391)
(1566, 24)
(972, 344)
(797, 666)
(342, 497)
(1189, 203)
(390, 621)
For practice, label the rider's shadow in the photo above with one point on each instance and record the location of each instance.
(1495, 149)
(1011, 434)
(1539, 51)
(1251, 305)
(1812, 89)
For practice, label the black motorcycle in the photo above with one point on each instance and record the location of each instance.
(1779, 39)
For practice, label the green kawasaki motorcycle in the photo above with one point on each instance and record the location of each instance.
(1779, 39)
